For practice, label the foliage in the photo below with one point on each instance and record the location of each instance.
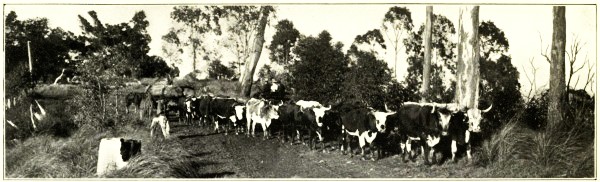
(366, 79)
(129, 41)
(399, 21)
(316, 75)
(443, 30)
(216, 70)
(284, 39)
(499, 83)
(49, 46)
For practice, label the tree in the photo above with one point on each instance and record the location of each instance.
(397, 20)
(195, 23)
(216, 70)
(50, 48)
(284, 39)
(442, 32)
(248, 75)
(467, 84)
(373, 39)
(316, 75)
(499, 78)
(557, 92)
(367, 79)
(243, 22)
(128, 40)
(427, 61)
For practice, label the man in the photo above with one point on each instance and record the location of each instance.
(273, 90)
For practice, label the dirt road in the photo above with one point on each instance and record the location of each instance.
(238, 156)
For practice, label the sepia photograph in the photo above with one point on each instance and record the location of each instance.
(241, 90)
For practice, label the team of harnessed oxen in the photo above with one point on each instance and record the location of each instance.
(412, 124)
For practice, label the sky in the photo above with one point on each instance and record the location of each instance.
(528, 28)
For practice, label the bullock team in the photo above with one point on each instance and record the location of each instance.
(417, 128)
(412, 124)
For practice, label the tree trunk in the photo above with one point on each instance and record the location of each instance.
(194, 47)
(467, 79)
(247, 78)
(427, 61)
(557, 92)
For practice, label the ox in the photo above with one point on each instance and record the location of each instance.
(260, 112)
(203, 108)
(223, 110)
(190, 107)
(114, 154)
(290, 118)
(422, 123)
(462, 124)
(364, 123)
(135, 99)
(311, 120)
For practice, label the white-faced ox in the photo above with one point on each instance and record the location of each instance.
(423, 123)
(363, 123)
(260, 112)
(461, 126)
(114, 154)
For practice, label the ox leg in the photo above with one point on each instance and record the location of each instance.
(265, 132)
(426, 152)
(167, 129)
(469, 152)
(152, 128)
(454, 149)
(409, 150)
(362, 144)
(402, 150)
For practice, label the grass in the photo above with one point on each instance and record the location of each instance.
(516, 151)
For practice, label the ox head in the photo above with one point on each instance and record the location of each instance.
(381, 118)
(239, 111)
(475, 117)
(444, 116)
(319, 113)
(271, 112)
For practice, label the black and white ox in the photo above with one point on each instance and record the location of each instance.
(462, 124)
(363, 123)
(424, 123)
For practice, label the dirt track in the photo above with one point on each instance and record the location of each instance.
(232, 156)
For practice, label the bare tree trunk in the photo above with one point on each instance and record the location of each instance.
(427, 61)
(557, 92)
(258, 45)
(467, 81)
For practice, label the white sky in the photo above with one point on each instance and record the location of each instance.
(522, 24)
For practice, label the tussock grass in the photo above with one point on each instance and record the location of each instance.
(561, 151)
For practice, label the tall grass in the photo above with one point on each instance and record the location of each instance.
(561, 151)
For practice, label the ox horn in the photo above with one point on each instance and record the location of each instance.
(488, 109)
(386, 107)
(433, 110)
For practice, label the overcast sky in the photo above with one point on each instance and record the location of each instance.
(522, 24)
